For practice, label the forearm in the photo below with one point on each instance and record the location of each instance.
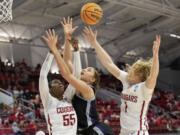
(102, 54)
(155, 68)
(61, 64)
(151, 81)
(106, 60)
(77, 67)
(67, 53)
(46, 65)
(67, 49)
(43, 81)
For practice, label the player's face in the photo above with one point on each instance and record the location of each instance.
(87, 75)
(57, 90)
(134, 77)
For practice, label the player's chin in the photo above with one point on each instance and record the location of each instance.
(83, 78)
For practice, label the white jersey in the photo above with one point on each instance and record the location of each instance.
(135, 101)
(60, 115)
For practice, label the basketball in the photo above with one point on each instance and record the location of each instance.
(91, 13)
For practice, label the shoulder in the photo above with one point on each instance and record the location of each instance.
(145, 92)
(76, 96)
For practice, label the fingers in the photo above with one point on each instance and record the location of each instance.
(64, 21)
(68, 20)
(50, 32)
(158, 38)
(154, 43)
(56, 37)
(86, 30)
(90, 30)
(53, 33)
(75, 28)
(47, 34)
(62, 24)
(71, 21)
(45, 38)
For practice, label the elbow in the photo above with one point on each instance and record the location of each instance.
(65, 75)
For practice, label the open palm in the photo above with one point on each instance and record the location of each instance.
(51, 39)
(67, 25)
(89, 34)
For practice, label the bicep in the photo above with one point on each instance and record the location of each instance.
(113, 69)
(150, 82)
(146, 92)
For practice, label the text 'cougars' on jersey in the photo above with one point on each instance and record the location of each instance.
(65, 109)
(130, 98)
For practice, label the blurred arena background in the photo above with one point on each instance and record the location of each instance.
(126, 31)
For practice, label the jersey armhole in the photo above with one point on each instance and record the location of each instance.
(123, 77)
(146, 92)
(48, 104)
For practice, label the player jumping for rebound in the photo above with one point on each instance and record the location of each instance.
(138, 86)
(60, 114)
(84, 100)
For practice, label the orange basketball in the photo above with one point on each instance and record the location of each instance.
(91, 13)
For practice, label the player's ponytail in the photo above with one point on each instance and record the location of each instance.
(97, 80)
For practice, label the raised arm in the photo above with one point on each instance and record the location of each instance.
(77, 68)
(102, 54)
(43, 81)
(68, 31)
(151, 81)
(79, 85)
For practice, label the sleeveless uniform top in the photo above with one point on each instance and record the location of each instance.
(135, 101)
(85, 110)
(61, 118)
(60, 115)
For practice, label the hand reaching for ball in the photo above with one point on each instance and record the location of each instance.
(51, 39)
(156, 45)
(90, 35)
(67, 25)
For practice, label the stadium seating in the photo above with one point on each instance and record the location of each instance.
(22, 82)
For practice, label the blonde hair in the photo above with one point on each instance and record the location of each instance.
(140, 66)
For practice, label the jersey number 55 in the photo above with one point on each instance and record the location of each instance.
(69, 119)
